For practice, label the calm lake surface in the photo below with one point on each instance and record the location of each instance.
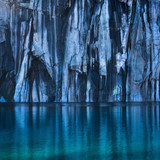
(80, 131)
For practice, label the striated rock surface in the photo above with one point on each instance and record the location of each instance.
(79, 50)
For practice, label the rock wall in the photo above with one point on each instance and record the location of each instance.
(79, 50)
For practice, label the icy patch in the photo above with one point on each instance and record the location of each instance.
(120, 59)
(42, 88)
(25, 5)
(117, 92)
(88, 90)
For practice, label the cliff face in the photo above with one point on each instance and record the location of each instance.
(79, 50)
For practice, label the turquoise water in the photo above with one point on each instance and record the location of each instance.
(80, 131)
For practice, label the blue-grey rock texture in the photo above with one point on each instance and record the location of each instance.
(79, 50)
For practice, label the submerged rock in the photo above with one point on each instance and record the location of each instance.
(79, 50)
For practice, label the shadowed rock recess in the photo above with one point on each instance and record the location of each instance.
(79, 50)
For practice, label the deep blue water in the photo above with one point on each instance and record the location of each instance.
(80, 131)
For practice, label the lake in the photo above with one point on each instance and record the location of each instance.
(80, 131)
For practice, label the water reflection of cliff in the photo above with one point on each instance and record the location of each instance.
(72, 131)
